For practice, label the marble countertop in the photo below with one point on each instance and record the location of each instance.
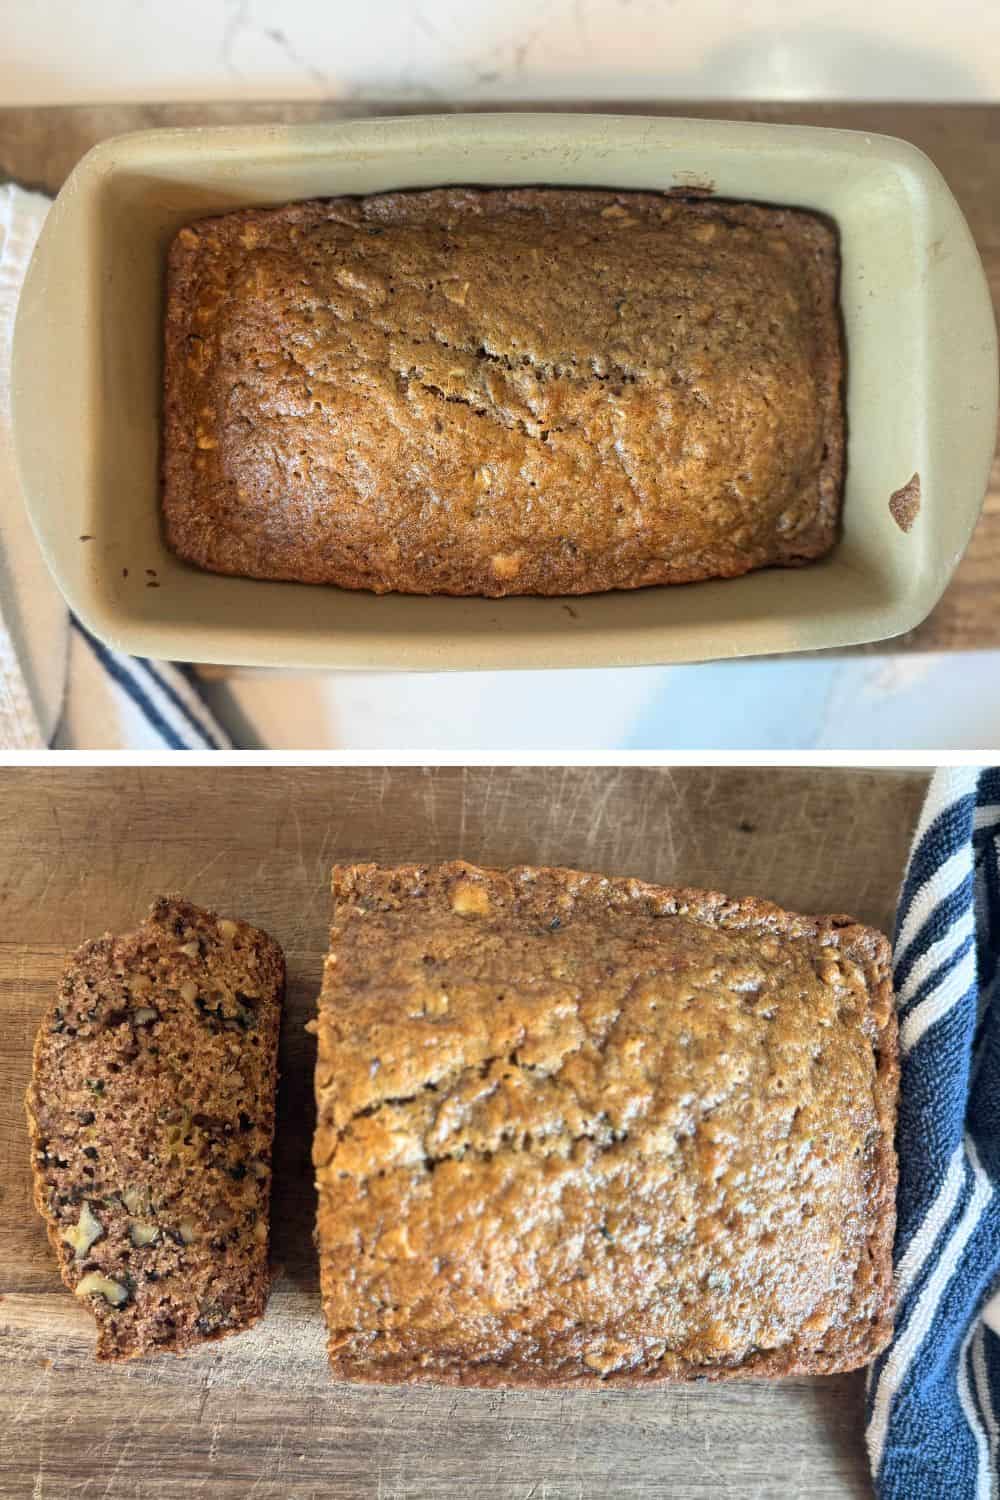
(58, 52)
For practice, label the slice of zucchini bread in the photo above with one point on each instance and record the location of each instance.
(151, 1113)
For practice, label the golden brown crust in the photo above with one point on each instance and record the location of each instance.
(519, 1169)
(151, 1117)
(528, 391)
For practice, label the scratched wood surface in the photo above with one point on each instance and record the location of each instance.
(39, 147)
(82, 850)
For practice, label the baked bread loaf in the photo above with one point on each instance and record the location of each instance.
(576, 1130)
(151, 1113)
(530, 391)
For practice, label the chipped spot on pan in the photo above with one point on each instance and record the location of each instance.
(692, 185)
(904, 504)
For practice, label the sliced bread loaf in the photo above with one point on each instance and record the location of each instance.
(151, 1112)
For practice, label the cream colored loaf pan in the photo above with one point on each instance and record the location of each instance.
(921, 391)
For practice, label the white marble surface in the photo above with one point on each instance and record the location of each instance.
(56, 51)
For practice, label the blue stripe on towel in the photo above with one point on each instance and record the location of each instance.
(159, 676)
(116, 669)
(144, 681)
(933, 1404)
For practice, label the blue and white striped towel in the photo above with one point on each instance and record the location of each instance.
(116, 701)
(933, 1417)
(58, 686)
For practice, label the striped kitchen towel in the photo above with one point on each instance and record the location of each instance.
(113, 701)
(59, 686)
(933, 1405)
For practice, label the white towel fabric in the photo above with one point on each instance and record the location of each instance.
(58, 686)
(34, 622)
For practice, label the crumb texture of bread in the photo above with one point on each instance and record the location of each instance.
(151, 1115)
(507, 391)
(576, 1130)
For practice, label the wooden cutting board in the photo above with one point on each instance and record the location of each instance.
(82, 850)
(39, 147)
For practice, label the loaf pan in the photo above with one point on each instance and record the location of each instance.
(921, 391)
